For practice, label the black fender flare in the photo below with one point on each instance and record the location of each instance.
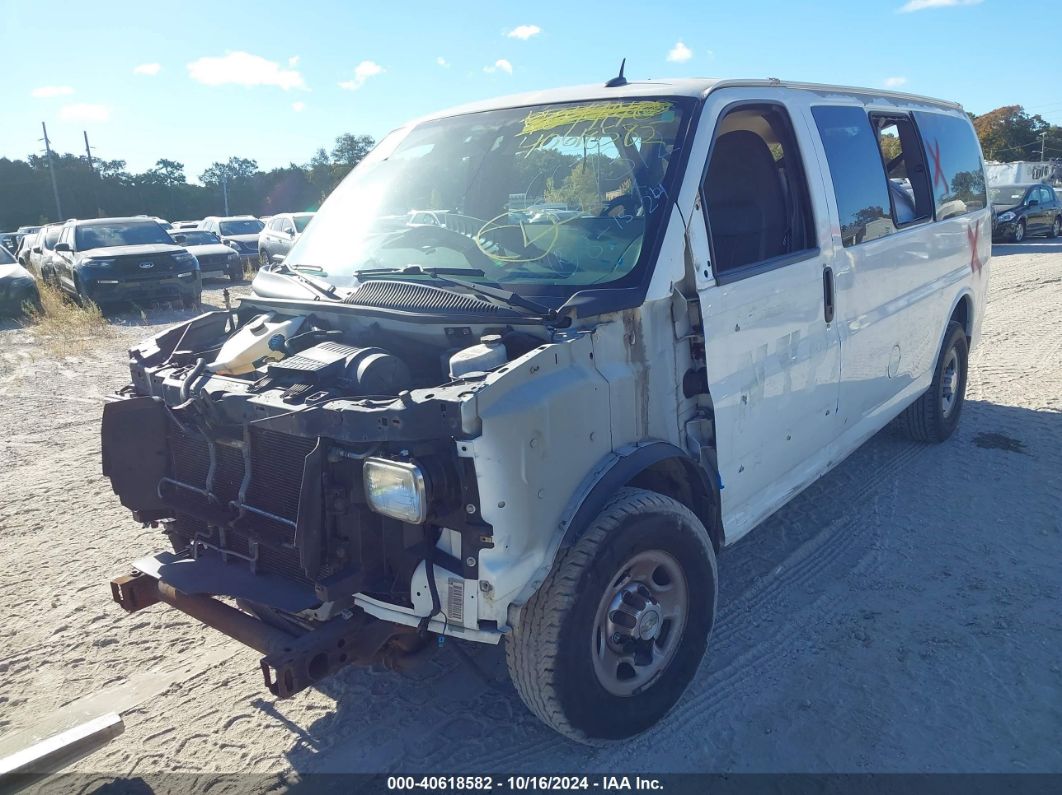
(624, 466)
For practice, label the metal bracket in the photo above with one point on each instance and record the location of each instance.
(135, 591)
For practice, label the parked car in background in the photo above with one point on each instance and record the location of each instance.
(1022, 210)
(238, 231)
(25, 247)
(9, 240)
(215, 258)
(17, 285)
(21, 232)
(112, 260)
(280, 234)
(42, 249)
(185, 224)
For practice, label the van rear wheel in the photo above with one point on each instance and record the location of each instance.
(935, 415)
(610, 641)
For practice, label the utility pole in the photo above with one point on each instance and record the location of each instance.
(95, 176)
(1043, 138)
(51, 170)
(225, 190)
(88, 152)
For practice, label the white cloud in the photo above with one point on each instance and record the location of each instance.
(47, 92)
(293, 61)
(680, 53)
(149, 69)
(362, 72)
(501, 65)
(442, 62)
(298, 107)
(524, 32)
(83, 111)
(895, 82)
(243, 69)
(921, 5)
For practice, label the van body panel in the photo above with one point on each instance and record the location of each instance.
(774, 364)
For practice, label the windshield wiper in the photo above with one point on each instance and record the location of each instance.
(491, 293)
(324, 288)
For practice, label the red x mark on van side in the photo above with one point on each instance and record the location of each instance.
(973, 235)
(938, 171)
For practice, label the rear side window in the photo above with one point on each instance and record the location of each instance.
(953, 158)
(859, 183)
(905, 169)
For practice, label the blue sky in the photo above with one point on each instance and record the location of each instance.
(201, 81)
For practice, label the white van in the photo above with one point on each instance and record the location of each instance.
(543, 428)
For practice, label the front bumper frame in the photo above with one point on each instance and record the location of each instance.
(292, 661)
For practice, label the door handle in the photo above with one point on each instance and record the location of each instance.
(827, 294)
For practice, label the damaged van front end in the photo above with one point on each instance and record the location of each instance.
(392, 436)
(332, 487)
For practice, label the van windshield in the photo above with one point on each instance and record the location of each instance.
(563, 195)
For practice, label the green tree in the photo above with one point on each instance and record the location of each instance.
(350, 149)
(579, 190)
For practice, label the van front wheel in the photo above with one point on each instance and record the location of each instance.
(609, 642)
(935, 415)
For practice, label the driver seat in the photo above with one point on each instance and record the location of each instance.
(745, 202)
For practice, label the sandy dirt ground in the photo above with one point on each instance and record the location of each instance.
(900, 615)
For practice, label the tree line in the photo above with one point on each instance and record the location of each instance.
(108, 188)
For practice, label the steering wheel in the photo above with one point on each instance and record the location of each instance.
(431, 235)
(627, 202)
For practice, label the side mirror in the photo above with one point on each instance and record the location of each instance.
(291, 233)
(1034, 202)
(62, 247)
(36, 249)
(179, 238)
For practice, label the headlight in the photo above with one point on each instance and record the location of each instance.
(396, 489)
(1006, 217)
(185, 258)
(102, 264)
(233, 255)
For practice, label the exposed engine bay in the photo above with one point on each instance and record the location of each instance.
(300, 458)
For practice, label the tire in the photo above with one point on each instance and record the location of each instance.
(236, 272)
(1056, 227)
(1019, 232)
(263, 259)
(561, 657)
(932, 418)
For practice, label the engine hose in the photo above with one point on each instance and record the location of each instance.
(186, 385)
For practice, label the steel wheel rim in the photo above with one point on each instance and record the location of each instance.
(1019, 233)
(639, 623)
(949, 383)
(1056, 227)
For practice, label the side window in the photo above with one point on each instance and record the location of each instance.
(856, 168)
(1045, 196)
(953, 158)
(288, 227)
(755, 190)
(905, 169)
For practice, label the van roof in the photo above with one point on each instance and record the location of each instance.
(696, 87)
